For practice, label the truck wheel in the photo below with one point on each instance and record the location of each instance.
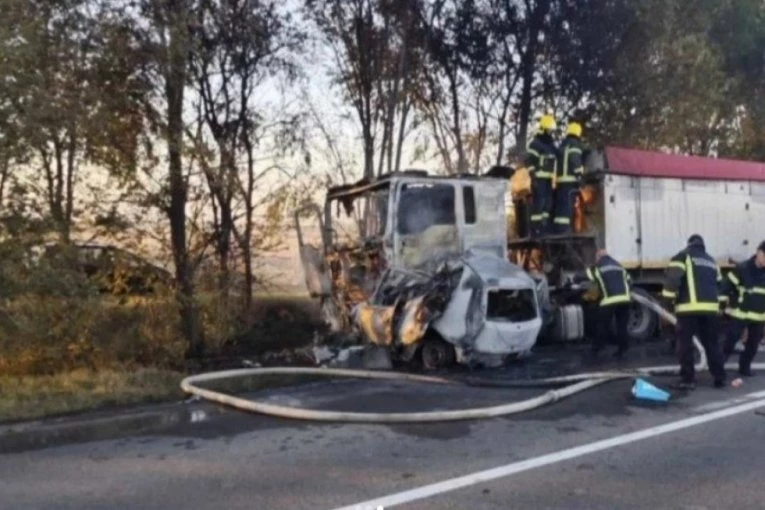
(642, 321)
(436, 353)
(569, 323)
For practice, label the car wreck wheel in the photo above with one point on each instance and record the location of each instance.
(436, 353)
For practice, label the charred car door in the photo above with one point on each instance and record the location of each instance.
(311, 245)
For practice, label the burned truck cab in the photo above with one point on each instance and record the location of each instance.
(418, 264)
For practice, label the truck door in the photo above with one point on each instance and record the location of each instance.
(426, 225)
(311, 245)
(483, 217)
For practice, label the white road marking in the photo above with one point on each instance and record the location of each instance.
(461, 482)
(713, 406)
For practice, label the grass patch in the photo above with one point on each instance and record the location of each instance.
(29, 397)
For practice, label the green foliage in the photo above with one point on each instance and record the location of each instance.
(675, 75)
(53, 318)
(739, 32)
(71, 94)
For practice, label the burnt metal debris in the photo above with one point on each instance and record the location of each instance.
(406, 302)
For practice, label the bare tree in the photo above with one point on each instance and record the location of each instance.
(374, 44)
(240, 46)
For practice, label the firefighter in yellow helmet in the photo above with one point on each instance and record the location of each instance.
(541, 161)
(568, 178)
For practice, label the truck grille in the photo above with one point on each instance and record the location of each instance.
(514, 305)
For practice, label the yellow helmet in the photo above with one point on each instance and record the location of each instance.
(547, 123)
(574, 129)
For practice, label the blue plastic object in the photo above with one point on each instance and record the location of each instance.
(647, 391)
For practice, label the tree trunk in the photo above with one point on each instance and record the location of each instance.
(249, 279)
(246, 244)
(175, 82)
(401, 134)
(502, 130)
(223, 194)
(4, 173)
(404, 107)
(56, 189)
(71, 170)
(387, 130)
(369, 150)
(457, 126)
(525, 110)
(224, 250)
(536, 25)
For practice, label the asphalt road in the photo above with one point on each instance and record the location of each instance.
(596, 450)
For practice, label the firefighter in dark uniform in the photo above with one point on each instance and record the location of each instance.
(541, 161)
(693, 283)
(568, 177)
(614, 286)
(745, 287)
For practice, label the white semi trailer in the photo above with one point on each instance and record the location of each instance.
(652, 202)
(642, 206)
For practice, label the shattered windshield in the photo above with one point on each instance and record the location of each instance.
(424, 205)
(359, 217)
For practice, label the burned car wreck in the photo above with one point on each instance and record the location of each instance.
(418, 264)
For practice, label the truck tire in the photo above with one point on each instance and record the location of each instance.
(643, 322)
(569, 323)
(436, 353)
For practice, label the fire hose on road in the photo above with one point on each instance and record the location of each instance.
(576, 384)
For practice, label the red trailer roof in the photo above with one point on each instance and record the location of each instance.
(657, 164)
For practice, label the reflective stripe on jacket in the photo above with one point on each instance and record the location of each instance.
(693, 281)
(541, 158)
(745, 285)
(613, 281)
(571, 165)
